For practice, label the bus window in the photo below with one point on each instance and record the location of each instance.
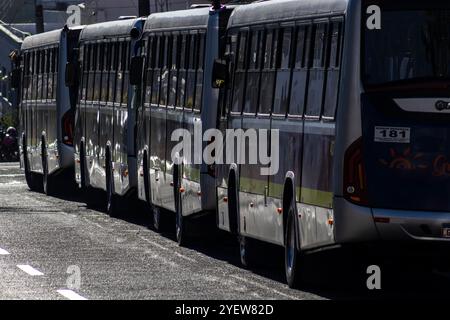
(174, 65)
(199, 65)
(91, 72)
(97, 71)
(239, 74)
(332, 86)
(164, 54)
(155, 71)
(253, 73)
(182, 73)
(125, 64)
(317, 73)
(300, 72)
(104, 72)
(281, 99)
(55, 71)
(191, 72)
(119, 73)
(268, 72)
(49, 74)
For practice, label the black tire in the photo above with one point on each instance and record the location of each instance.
(232, 206)
(146, 179)
(30, 177)
(47, 182)
(83, 184)
(112, 207)
(248, 252)
(157, 223)
(180, 221)
(292, 256)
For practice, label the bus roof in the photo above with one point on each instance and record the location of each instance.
(267, 11)
(118, 28)
(41, 39)
(180, 19)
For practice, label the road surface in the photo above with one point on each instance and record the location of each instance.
(58, 248)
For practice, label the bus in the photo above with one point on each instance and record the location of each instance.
(105, 121)
(47, 109)
(179, 49)
(358, 93)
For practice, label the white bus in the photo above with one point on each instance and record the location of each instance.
(47, 109)
(359, 93)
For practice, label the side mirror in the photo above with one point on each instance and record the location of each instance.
(15, 78)
(136, 66)
(71, 78)
(220, 74)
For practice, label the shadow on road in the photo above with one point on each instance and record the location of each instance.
(339, 273)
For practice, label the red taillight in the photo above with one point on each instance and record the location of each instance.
(67, 128)
(355, 182)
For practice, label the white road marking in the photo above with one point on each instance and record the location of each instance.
(264, 287)
(11, 175)
(3, 252)
(30, 270)
(71, 295)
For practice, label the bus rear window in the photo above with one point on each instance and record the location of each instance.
(409, 42)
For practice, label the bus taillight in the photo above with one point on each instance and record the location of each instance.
(355, 183)
(67, 128)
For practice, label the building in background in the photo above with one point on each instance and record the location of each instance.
(21, 13)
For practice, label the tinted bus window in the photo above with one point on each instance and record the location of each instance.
(317, 73)
(191, 71)
(253, 73)
(182, 72)
(199, 66)
(281, 99)
(239, 74)
(268, 72)
(333, 71)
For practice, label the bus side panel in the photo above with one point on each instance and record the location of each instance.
(317, 181)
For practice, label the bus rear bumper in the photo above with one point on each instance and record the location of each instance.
(357, 224)
(404, 225)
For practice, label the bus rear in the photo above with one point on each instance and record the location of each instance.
(401, 166)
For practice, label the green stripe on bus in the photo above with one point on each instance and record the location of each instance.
(317, 197)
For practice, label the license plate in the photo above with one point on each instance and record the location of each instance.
(446, 232)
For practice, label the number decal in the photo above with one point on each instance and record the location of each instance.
(392, 134)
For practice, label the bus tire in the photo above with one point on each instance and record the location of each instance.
(180, 223)
(146, 178)
(30, 178)
(292, 256)
(47, 183)
(232, 204)
(248, 252)
(83, 184)
(156, 223)
(111, 198)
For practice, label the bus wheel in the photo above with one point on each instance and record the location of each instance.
(83, 184)
(292, 253)
(46, 179)
(146, 178)
(111, 198)
(156, 219)
(30, 178)
(247, 252)
(180, 223)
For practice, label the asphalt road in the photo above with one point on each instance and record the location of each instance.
(46, 242)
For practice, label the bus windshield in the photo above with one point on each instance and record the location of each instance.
(412, 46)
